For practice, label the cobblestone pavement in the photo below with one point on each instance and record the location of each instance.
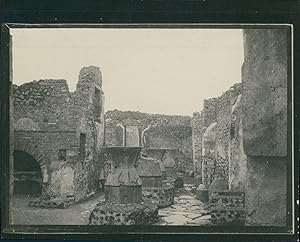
(187, 210)
(76, 214)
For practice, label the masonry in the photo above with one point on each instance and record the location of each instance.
(166, 131)
(265, 125)
(243, 135)
(62, 131)
(211, 135)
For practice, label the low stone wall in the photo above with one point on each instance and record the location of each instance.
(52, 202)
(124, 214)
(227, 207)
(160, 196)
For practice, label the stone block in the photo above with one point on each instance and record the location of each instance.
(266, 191)
(160, 196)
(202, 193)
(264, 94)
(227, 208)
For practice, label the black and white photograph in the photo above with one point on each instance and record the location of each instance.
(161, 125)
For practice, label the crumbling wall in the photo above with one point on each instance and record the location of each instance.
(197, 133)
(208, 162)
(44, 101)
(216, 110)
(166, 131)
(47, 145)
(224, 105)
(47, 106)
(265, 125)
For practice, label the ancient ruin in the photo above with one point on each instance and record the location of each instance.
(123, 192)
(60, 134)
(236, 141)
(225, 165)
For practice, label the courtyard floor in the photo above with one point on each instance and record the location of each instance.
(187, 210)
(77, 214)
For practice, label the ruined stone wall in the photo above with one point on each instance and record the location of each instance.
(167, 131)
(223, 118)
(197, 133)
(216, 112)
(209, 112)
(47, 106)
(47, 144)
(44, 101)
(265, 125)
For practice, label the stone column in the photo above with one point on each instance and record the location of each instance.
(265, 125)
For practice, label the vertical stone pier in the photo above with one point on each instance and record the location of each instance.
(264, 100)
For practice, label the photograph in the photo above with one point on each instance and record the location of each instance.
(161, 125)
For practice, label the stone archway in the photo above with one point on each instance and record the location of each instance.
(27, 174)
(29, 168)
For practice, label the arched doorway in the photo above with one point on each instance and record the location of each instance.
(27, 174)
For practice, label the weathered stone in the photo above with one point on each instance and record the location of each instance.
(124, 214)
(202, 193)
(219, 184)
(26, 124)
(209, 142)
(227, 208)
(175, 219)
(51, 202)
(266, 191)
(237, 156)
(132, 136)
(161, 196)
(264, 100)
(149, 171)
(172, 131)
(265, 80)
(199, 221)
(58, 128)
(123, 184)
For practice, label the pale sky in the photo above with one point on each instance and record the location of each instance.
(167, 71)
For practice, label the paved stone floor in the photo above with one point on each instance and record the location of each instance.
(187, 210)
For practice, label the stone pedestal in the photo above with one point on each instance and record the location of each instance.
(123, 192)
(153, 189)
(149, 172)
(158, 153)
